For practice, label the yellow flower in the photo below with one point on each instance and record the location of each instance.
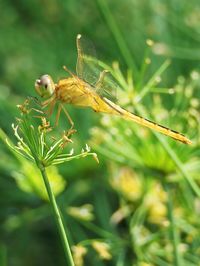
(157, 213)
(78, 254)
(83, 212)
(120, 214)
(155, 202)
(102, 249)
(127, 183)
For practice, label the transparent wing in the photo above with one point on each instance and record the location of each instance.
(89, 69)
(84, 68)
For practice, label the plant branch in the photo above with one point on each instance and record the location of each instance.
(57, 216)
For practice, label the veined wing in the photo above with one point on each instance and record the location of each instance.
(89, 69)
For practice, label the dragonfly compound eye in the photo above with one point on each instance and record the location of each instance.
(45, 86)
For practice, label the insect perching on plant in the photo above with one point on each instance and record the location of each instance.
(79, 91)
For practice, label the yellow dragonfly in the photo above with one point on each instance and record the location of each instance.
(76, 90)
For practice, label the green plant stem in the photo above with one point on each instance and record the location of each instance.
(173, 230)
(179, 165)
(58, 218)
(111, 22)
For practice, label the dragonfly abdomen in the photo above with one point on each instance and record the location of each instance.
(147, 123)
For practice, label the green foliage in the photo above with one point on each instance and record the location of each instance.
(36, 144)
(162, 173)
(140, 205)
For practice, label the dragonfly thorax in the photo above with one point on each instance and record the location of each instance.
(73, 90)
(45, 86)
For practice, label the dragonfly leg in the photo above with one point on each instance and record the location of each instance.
(70, 131)
(44, 103)
(41, 114)
(99, 82)
(68, 117)
(51, 107)
(34, 99)
(58, 115)
(39, 103)
(48, 112)
(25, 107)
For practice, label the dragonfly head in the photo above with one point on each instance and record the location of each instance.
(45, 86)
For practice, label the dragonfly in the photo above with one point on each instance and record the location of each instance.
(78, 90)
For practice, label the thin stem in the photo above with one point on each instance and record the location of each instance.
(111, 22)
(173, 230)
(179, 165)
(152, 81)
(57, 216)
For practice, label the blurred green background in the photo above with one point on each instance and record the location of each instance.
(140, 205)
